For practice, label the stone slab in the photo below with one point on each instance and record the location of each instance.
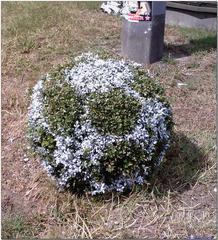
(190, 19)
(142, 42)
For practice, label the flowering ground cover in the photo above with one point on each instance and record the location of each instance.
(93, 130)
(178, 202)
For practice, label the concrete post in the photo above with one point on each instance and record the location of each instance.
(143, 41)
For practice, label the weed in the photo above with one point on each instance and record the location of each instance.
(168, 59)
(26, 44)
(193, 65)
(14, 227)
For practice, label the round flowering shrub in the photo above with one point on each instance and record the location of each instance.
(99, 125)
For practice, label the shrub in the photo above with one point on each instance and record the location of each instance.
(99, 125)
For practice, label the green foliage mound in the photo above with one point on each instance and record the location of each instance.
(99, 125)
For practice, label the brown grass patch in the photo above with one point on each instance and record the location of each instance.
(179, 201)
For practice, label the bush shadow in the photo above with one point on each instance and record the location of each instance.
(181, 168)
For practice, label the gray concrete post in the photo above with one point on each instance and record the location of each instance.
(143, 41)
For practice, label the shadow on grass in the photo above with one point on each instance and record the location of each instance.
(206, 43)
(184, 162)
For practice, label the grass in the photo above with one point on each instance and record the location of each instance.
(15, 227)
(191, 42)
(180, 199)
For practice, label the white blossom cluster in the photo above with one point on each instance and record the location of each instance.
(80, 153)
(118, 7)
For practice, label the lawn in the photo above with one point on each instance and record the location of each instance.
(180, 200)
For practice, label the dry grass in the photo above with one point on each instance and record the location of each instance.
(180, 199)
